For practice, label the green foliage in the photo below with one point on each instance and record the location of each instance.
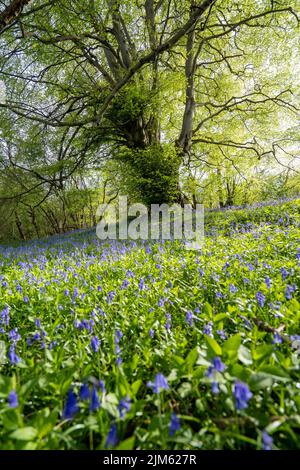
(153, 173)
(68, 281)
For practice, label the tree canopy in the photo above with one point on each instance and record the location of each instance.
(168, 94)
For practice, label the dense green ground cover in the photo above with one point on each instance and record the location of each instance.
(87, 328)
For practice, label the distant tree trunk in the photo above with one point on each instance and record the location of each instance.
(220, 189)
(33, 221)
(19, 227)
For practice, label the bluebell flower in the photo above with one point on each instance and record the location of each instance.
(119, 360)
(161, 302)
(141, 284)
(110, 297)
(267, 441)
(26, 299)
(125, 284)
(232, 288)
(112, 436)
(242, 395)
(284, 273)
(260, 299)
(174, 424)
(160, 383)
(215, 387)
(207, 330)
(5, 316)
(52, 344)
(268, 282)
(189, 317)
(129, 273)
(277, 338)
(222, 334)
(95, 402)
(14, 336)
(95, 343)
(71, 407)
(75, 292)
(119, 334)
(37, 323)
(151, 333)
(84, 393)
(218, 364)
(13, 357)
(219, 295)
(289, 292)
(295, 337)
(124, 406)
(102, 386)
(13, 399)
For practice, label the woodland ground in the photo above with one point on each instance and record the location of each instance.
(149, 345)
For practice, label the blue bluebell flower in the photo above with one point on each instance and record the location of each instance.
(222, 334)
(125, 284)
(95, 402)
(160, 383)
(277, 338)
(124, 406)
(141, 284)
(84, 393)
(151, 333)
(268, 282)
(207, 330)
(13, 399)
(95, 343)
(14, 336)
(71, 407)
(12, 356)
(232, 288)
(242, 395)
(267, 441)
(102, 386)
(260, 299)
(189, 317)
(110, 297)
(174, 424)
(284, 273)
(112, 436)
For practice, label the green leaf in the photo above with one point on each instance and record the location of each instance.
(275, 372)
(263, 351)
(184, 389)
(260, 381)
(207, 310)
(213, 347)
(191, 358)
(24, 434)
(244, 355)
(231, 346)
(220, 317)
(136, 386)
(128, 444)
